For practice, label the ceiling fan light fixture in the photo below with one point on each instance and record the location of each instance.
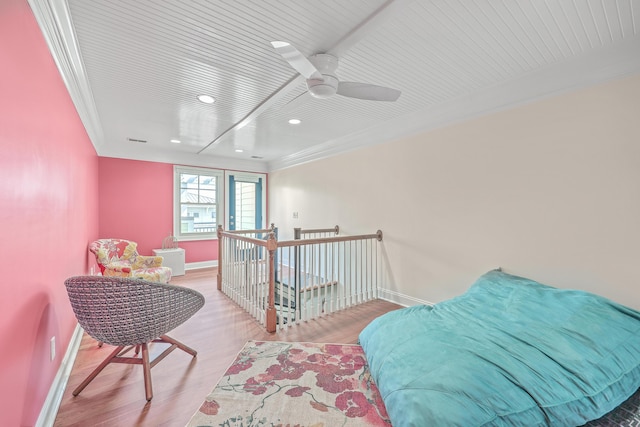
(323, 89)
(207, 99)
(319, 70)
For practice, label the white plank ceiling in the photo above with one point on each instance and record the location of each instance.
(135, 67)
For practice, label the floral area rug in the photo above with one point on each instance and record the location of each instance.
(294, 384)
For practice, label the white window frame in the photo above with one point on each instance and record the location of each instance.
(220, 208)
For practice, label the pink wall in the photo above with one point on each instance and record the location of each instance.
(136, 203)
(48, 213)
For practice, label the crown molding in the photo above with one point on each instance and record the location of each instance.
(192, 159)
(54, 19)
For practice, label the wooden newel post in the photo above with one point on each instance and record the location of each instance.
(272, 246)
(219, 257)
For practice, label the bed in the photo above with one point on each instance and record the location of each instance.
(508, 352)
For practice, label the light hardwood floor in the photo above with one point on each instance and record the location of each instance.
(180, 383)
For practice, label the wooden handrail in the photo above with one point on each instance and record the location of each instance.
(299, 231)
(259, 242)
(266, 230)
(288, 243)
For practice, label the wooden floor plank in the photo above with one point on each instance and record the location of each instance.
(180, 383)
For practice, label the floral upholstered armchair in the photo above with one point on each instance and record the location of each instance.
(120, 258)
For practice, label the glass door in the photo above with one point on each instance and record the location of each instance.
(246, 201)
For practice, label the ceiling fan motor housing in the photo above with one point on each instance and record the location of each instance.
(324, 88)
(327, 86)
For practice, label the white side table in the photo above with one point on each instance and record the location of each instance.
(173, 258)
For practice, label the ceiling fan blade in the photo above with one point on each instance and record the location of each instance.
(297, 60)
(367, 91)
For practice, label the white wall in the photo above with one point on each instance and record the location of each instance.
(549, 190)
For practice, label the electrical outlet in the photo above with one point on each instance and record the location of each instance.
(53, 348)
(295, 215)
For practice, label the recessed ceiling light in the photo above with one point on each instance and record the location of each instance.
(176, 141)
(239, 150)
(207, 99)
(294, 121)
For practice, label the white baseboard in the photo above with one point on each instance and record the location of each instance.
(201, 264)
(51, 404)
(401, 299)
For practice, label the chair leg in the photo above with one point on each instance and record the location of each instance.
(116, 357)
(146, 367)
(96, 371)
(179, 345)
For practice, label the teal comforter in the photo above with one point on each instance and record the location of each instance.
(508, 352)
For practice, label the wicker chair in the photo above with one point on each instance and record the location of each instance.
(129, 314)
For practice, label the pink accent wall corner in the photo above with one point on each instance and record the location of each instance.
(48, 214)
(136, 203)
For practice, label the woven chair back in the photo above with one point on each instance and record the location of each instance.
(126, 311)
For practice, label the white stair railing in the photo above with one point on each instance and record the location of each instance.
(282, 283)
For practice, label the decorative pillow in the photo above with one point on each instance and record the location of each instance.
(510, 351)
(123, 266)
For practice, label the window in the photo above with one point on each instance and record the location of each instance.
(197, 195)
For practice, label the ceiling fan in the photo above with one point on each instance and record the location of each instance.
(319, 70)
